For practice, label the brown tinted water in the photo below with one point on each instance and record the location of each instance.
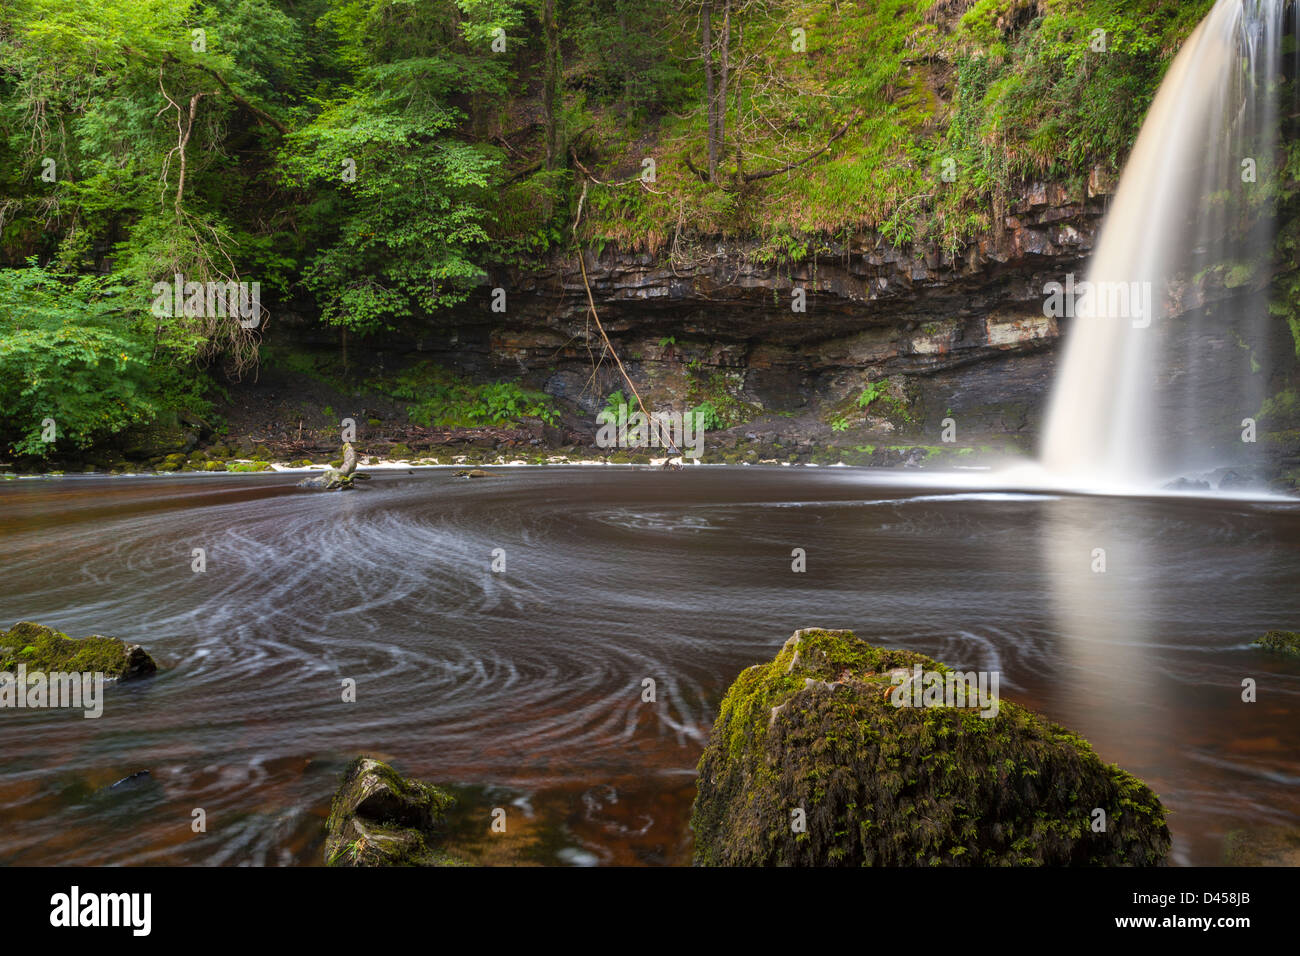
(523, 688)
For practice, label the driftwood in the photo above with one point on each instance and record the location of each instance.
(334, 479)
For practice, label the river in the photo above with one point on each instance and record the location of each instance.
(522, 687)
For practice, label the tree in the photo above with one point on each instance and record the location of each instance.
(395, 199)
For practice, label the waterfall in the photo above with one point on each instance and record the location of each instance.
(1168, 337)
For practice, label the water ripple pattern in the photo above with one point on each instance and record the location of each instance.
(531, 676)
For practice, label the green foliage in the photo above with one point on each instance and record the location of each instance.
(402, 202)
(1282, 408)
(614, 402)
(877, 398)
(873, 392)
(442, 399)
(67, 353)
(623, 56)
(1285, 302)
(1010, 92)
(526, 217)
(708, 417)
(713, 394)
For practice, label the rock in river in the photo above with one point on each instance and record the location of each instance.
(818, 759)
(45, 649)
(380, 818)
(1280, 642)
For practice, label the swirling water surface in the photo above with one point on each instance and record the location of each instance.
(522, 687)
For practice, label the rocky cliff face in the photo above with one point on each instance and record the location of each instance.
(936, 335)
(961, 334)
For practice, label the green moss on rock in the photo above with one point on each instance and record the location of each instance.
(163, 437)
(1280, 642)
(815, 730)
(380, 818)
(45, 649)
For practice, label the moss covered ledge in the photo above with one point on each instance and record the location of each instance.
(44, 649)
(815, 731)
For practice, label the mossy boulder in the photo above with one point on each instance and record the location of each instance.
(1280, 642)
(45, 649)
(380, 818)
(817, 730)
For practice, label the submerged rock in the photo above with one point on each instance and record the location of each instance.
(1187, 484)
(1272, 846)
(132, 779)
(335, 479)
(45, 649)
(811, 763)
(1280, 642)
(380, 818)
(1232, 479)
(140, 792)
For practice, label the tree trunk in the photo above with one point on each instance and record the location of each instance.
(710, 100)
(627, 61)
(551, 84)
(720, 124)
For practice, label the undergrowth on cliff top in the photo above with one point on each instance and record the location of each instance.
(1008, 90)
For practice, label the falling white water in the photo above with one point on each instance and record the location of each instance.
(1144, 396)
